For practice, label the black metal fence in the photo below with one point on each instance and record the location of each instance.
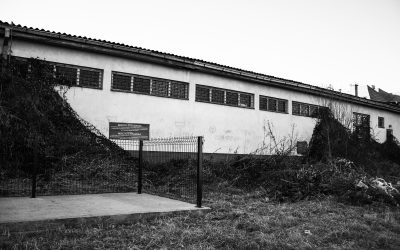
(169, 167)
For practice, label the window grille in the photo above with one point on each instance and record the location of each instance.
(121, 82)
(179, 90)
(202, 94)
(159, 88)
(232, 98)
(224, 96)
(217, 96)
(141, 85)
(282, 106)
(89, 78)
(313, 111)
(273, 104)
(305, 109)
(245, 100)
(149, 85)
(361, 125)
(381, 122)
(295, 108)
(67, 75)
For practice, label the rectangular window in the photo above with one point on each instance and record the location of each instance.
(232, 98)
(282, 106)
(67, 75)
(217, 96)
(179, 90)
(245, 100)
(141, 85)
(121, 82)
(202, 94)
(295, 108)
(224, 96)
(149, 85)
(305, 109)
(361, 126)
(381, 122)
(159, 88)
(89, 78)
(273, 104)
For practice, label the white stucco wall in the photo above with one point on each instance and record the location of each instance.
(226, 129)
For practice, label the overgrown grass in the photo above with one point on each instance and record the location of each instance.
(238, 220)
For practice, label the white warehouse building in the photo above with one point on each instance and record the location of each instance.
(179, 96)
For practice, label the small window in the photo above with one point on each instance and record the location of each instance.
(245, 100)
(179, 90)
(282, 106)
(313, 111)
(66, 75)
(232, 98)
(217, 96)
(121, 82)
(202, 94)
(381, 122)
(272, 104)
(89, 78)
(159, 88)
(141, 85)
(224, 96)
(304, 110)
(295, 108)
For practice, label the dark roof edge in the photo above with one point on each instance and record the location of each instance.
(117, 49)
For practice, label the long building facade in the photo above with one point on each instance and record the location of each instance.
(233, 109)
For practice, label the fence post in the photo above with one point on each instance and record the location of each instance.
(34, 173)
(139, 191)
(199, 170)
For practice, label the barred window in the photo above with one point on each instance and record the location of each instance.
(217, 96)
(66, 75)
(313, 111)
(179, 90)
(381, 122)
(141, 85)
(121, 82)
(89, 78)
(159, 88)
(273, 104)
(245, 100)
(202, 94)
(295, 108)
(305, 109)
(149, 85)
(232, 98)
(224, 96)
(282, 106)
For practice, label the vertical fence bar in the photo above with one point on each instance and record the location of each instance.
(139, 191)
(34, 173)
(199, 170)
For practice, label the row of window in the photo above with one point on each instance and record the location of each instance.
(92, 78)
(224, 96)
(149, 85)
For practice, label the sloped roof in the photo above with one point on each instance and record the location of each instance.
(137, 53)
(382, 96)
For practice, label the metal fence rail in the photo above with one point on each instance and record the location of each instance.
(169, 167)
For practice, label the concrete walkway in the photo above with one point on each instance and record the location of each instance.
(23, 213)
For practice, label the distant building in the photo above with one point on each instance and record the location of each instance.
(383, 96)
(180, 96)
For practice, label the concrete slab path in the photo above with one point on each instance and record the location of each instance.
(75, 208)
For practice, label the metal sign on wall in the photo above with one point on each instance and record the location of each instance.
(129, 131)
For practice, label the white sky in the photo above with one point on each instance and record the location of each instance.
(320, 42)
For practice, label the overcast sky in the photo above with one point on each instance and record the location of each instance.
(320, 42)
